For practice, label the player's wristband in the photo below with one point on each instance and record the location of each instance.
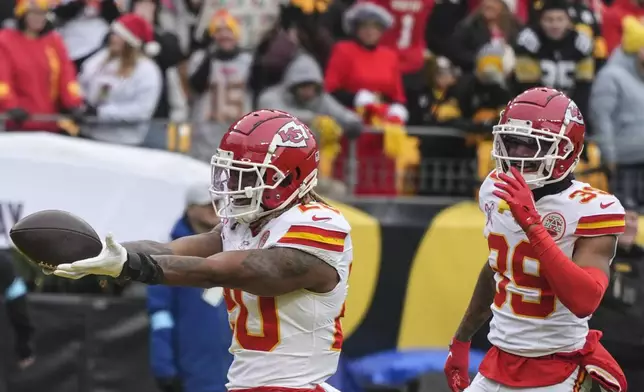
(460, 344)
(142, 268)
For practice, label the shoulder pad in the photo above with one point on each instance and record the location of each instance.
(599, 213)
(529, 40)
(584, 44)
(313, 226)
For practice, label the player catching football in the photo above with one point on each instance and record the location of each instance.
(282, 255)
(551, 242)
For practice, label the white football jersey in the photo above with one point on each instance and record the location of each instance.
(528, 320)
(293, 340)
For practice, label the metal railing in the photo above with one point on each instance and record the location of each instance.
(447, 173)
(450, 164)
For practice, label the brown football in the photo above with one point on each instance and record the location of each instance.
(52, 237)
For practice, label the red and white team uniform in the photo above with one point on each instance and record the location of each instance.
(528, 320)
(263, 172)
(292, 341)
(549, 272)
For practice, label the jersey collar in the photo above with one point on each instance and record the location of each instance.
(553, 188)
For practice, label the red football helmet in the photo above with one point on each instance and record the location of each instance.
(541, 133)
(267, 159)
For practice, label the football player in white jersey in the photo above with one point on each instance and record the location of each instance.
(281, 254)
(551, 242)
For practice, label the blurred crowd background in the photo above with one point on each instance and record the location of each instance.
(401, 95)
(410, 87)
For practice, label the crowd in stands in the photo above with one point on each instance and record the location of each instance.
(362, 73)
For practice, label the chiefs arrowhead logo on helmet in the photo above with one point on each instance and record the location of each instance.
(574, 114)
(292, 135)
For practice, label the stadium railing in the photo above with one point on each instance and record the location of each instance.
(453, 162)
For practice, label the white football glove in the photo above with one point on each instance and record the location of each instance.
(109, 262)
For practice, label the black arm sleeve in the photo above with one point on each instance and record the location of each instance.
(142, 268)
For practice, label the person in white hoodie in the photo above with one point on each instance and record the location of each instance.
(122, 84)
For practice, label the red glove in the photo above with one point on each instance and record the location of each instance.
(519, 197)
(457, 365)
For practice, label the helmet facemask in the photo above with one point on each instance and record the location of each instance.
(238, 187)
(535, 153)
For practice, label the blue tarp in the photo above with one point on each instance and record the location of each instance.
(390, 368)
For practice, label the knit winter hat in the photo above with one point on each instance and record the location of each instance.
(363, 11)
(222, 18)
(490, 58)
(495, 56)
(137, 32)
(22, 6)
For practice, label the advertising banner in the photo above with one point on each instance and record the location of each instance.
(133, 193)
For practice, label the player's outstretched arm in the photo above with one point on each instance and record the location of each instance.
(478, 311)
(199, 245)
(266, 272)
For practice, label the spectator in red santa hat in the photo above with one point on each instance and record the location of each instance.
(172, 61)
(122, 84)
(36, 73)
